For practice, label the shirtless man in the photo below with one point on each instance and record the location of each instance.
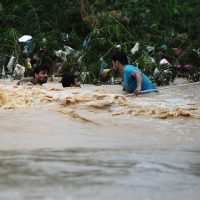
(40, 76)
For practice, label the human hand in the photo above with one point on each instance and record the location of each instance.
(137, 91)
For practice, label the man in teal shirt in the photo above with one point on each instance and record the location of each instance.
(133, 79)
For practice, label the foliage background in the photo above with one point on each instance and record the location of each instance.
(103, 23)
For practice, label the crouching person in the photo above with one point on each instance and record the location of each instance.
(133, 79)
(40, 76)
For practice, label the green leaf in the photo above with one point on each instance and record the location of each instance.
(118, 31)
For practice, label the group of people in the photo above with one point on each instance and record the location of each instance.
(132, 78)
(40, 76)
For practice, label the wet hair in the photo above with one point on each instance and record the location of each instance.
(67, 80)
(38, 68)
(120, 56)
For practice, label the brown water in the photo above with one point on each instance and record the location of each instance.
(95, 143)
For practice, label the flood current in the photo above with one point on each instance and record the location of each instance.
(95, 142)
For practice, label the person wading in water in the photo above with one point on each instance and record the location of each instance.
(40, 76)
(133, 80)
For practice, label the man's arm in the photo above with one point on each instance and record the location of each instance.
(138, 76)
(124, 86)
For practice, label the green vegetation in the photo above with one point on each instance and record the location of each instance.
(105, 24)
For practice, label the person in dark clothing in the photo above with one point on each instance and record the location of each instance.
(69, 80)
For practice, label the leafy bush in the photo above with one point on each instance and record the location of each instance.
(104, 24)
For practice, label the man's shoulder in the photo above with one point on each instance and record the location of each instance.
(26, 80)
(130, 68)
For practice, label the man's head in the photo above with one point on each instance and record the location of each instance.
(69, 80)
(40, 74)
(119, 59)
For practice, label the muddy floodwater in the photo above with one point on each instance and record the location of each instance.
(95, 142)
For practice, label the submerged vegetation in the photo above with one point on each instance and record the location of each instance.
(149, 31)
